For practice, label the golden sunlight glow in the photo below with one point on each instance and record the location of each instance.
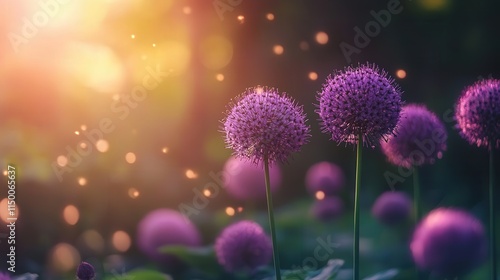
(82, 181)
(102, 145)
(130, 157)
(321, 38)
(121, 241)
(401, 74)
(133, 193)
(62, 160)
(216, 52)
(313, 76)
(320, 195)
(71, 215)
(64, 257)
(132, 36)
(278, 49)
(230, 211)
(190, 174)
(5, 213)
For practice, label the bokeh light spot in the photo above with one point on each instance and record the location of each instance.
(219, 77)
(270, 16)
(313, 76)
(121, 240)
(130, 157)
(186, 10)
(62, 161)
(241, 19)
(190, 174)
(102, 145)
(82, 181)
(93, 240)
(304, 45)
(230, 211)
(5, 213)
(133, 193)
(164, 150)
(401, 74)
(71, 215)
(321, 37)
(64, 257)
(320, 195)
(278, 49)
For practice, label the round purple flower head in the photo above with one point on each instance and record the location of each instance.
(478, 113)
(163, 227)
(326, 177)
(4, 276)
(421, 138)
(327, 208)
(243, 246)
(449, 242)
(85, 271)
(244, 180)
(263, 123)
(392, 208)
(359, 101)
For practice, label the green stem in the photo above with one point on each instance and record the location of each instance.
(356, 209)
(270, 211)
(416, 195)
(493, 247)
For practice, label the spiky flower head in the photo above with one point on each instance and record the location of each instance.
(392, 208)
(327, 208)
(243, 179)
(264, 123)
(243, 246)
(85, 271)
(5, 276)
(164, 227)
(449, 243)
(421, 138)
(361, 100)
(326, 177)
(478, 113)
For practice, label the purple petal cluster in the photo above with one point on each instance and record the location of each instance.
(392, 208)
(163, 227)
(449, 242)
(244, 180)
(5, 276)
(478, 113)
(421, 138)
(327, 208)
(85, 271)
(263, 123)
(359, 101)
(326, 177)
(243, 246)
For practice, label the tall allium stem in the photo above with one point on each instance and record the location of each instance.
(416, 195)
(356, 209)
(270, 212)
(493, 247)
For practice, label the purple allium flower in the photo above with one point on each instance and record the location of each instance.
(327, 208)
(421, 138)
(5, 276)
(449, 242)
(243, 246)
(392, 208)
(244, 180)
(359, 101)
(164, 227)
(478, 113)
(326, 177)
(85, 271)
(263, 123)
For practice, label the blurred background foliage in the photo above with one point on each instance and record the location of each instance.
(62, 74)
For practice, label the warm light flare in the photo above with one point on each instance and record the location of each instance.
(190, 174)
(230, 211)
